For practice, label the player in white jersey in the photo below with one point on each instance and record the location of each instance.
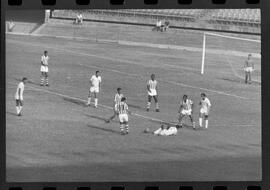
(185, 109)
(19, 96)
(204, 110)
(122, 109)
(117, 99)
(44, 69)
(94, 89)
(152, 92)
(166, 130)
(248, 68)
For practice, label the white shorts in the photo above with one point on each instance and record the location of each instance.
(166, 132)
(248, 69)
(186, 112)
(123, 118)
(94, 89)
(44, 69)
(204, 111)
(153, 92)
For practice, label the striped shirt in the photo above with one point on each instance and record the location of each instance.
(187, 105)
(117, 98)
(122, 108)
(152, 84)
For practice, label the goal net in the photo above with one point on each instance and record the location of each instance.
(224, 56)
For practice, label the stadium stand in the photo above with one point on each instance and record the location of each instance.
(240, 20)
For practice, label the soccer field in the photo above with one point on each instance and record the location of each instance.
(60, 139)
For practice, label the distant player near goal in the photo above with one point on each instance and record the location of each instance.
(44, 69)
(204, 110)
(94, 89)
(152, 92)
(123, 111)
(117, 99)
(185, 109)
(19, 96)
(248, 68)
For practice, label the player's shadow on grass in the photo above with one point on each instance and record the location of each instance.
(103, 129)
(74, 101)
(11, 113)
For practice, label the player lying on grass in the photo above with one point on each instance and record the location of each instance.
(19, 96)
(204, 110)
(117, 99)
(248, 68)
(166, 130)
(122, 109)
(152, 92)
(44, 69)
(185, 109)
(94, 89)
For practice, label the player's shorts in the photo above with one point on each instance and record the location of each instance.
(18, 102)
(153, 92)
(94, 89)
(248, 69)
(186, 112)
(44, 69)
(204, 111)
(123, 118)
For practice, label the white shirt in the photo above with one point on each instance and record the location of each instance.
(19, 95)
(95, 81)
(152, 84)
(44, 60)
(117, 98)
(205, 104)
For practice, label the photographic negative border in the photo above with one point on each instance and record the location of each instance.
(264, 5)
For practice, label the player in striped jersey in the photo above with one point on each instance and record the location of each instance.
(205, 109)
(122, 109)
(185, 109)
(117, 100)
(152, 92)
(44, 69)
(19, 96)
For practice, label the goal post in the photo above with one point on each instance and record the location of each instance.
(226, 48)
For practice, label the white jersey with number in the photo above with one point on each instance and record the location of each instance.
(205, 105)
(123, 112)
(19, 91)
(152, 87)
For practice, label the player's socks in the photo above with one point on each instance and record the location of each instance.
(127, 131)
(206, 123)
(88, 101)
(200, 122)
(18, 110)
(42, 81)
(47, 81)
(96, 102)
(148, 106)
(122, 129)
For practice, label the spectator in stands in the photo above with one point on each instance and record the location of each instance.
(79, 19)
(11, 25)
(158, 26)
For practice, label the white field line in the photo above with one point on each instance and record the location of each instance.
(110, 108)
(129, 74)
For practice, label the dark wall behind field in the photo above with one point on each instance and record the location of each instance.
(33, 16)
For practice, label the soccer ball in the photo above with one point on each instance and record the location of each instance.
(147, 130)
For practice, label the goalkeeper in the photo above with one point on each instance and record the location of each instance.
(248, 68)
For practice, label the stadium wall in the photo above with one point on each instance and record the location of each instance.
(182, 23)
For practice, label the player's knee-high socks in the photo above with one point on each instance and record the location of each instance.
(148, 105)
(157, 106)
(206, 123)
(18, 109)
(200, 121)
(88, 100)
(42, 80)
(127, 130)
(122, 128)
(47, 80)
(96, 102)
